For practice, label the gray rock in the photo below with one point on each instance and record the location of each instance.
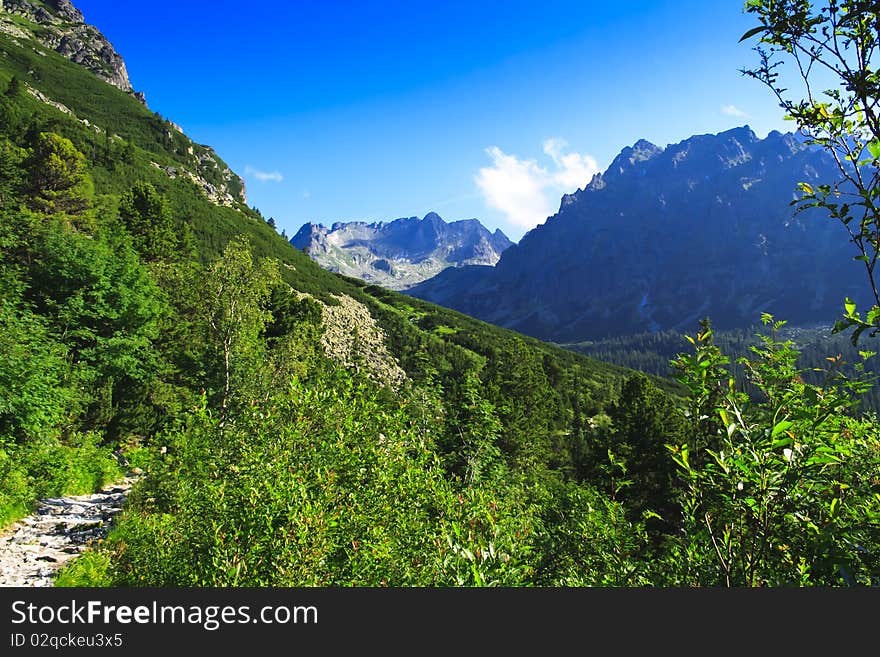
(67, 11)
(403, 252)
(65, 31)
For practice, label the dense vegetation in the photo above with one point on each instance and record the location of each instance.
(653, 353)
(137, 315)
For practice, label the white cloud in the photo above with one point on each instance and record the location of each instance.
(263, 176)
(526, 192)
(733, 110)
(516, 187)
(573, 170)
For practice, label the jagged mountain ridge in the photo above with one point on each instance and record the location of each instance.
(403, 252)
(665, 237)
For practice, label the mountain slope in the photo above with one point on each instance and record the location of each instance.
(108, 270)
(59, 26)
(665, 237)
(125, 142)
(403, 252)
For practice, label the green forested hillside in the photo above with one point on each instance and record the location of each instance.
(299, 428)
(818, 346)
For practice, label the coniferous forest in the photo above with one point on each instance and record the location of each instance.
(294, 427)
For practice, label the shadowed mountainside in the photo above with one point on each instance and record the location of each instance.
(665, 237)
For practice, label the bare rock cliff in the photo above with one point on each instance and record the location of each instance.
(60, 26)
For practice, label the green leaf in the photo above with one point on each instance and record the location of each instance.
(782, 442)
(856, 334)
(681, 460)
(874, 148)
(806, 188)
(779, 428)
(850, 307)
(823, 459)
(752, 32)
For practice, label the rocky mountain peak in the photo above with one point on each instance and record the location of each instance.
(403, 252)
(629, 157)
(709, 152)
(66, 10)
(645, 149)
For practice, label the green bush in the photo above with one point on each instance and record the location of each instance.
(320, 486)
(48, 468)
(780, 489)
(90, 569)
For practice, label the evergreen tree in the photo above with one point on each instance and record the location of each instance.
(147, 217)
(645, 419)
(58, 176)
(14, 88)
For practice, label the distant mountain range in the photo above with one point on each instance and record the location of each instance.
(403, 252)
(665, 237)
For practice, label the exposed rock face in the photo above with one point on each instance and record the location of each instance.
(67, 11)
(223, 194)
(352, 338)
(403, 252)
(63, 29)
(667, 236)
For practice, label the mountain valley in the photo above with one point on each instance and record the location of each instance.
(433, 412)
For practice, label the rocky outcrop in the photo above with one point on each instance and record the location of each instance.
(60, 26)
(403, 252)
(220, 195)
(352, 338)
(666, 236)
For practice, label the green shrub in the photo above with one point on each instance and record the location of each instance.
(90, 569)
(48, 468)
(780, 489)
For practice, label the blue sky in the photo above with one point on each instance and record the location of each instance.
(338, 111)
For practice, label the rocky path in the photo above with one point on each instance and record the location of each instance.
(35, 547)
